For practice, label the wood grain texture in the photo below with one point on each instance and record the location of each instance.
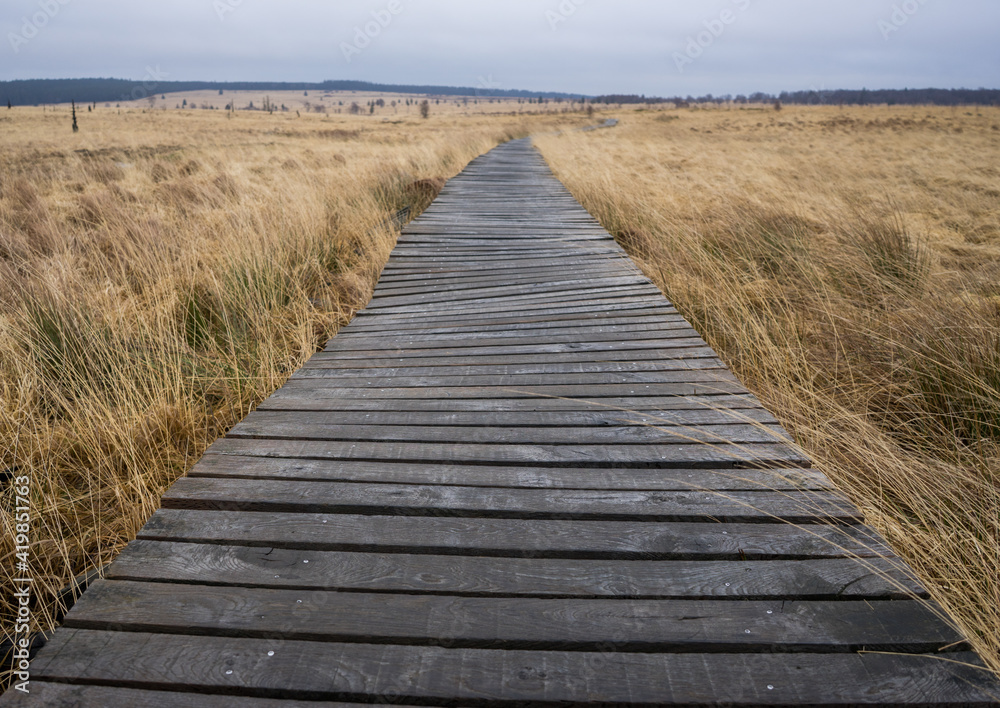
(299, 426)
(479, 502)
(475, 677)
(574, 420)
(517, 538)
(307, 398)
(233, 466)
(60, 695)
(247, 566)
(682, 626)
(651, 456)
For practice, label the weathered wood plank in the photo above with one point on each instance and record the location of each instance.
(450, 380)
(206, 564)
(309, 426)
(398, 274)
(441, 367)
(637, 359)
(61, 695)
(513, 623)
(517, 538)
(591, 335)
(457, 282)
(557, 317)
(333, 399)
(514, 301)
(560, 305)
(477, 502)
(546, 323)
(577, 391)
(584, 329)
(598, 349)
(626, 360)
(652, 456)
(594, 307)
(487, 678)
(233, 466)
(601, 419)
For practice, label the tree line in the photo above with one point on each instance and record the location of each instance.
(839, 97)
(33, 92)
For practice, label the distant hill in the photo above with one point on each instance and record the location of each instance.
(46, 91)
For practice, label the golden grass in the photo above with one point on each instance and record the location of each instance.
(162, 271)
(160, 274)
(846, 264)
(339, 102)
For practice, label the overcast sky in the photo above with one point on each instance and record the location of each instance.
(661, 47)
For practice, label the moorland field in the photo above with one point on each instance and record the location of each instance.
(162, 271)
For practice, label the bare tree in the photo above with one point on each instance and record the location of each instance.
(425, 108)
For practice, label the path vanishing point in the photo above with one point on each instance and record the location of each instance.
(519, 477)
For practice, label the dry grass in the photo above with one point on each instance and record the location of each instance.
(160, 273)
(846, 264)
(339, 102)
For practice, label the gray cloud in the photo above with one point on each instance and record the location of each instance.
(585, 46)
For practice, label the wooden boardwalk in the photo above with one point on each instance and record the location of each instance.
(518, 478)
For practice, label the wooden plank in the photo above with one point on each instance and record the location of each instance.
(268, 495)
(207, 564)
(598, 349)
(652, 456)
(624, 330)
(460, 280)
(576, 340)
(292, 398)
(457, 285)
(642, 360)
(408, 255)
(559, 316)
(523, 419)
(448, 380)
(234, 466)
(515, 300)
(391, 369)
(487, 678)
(397, 273)
(600, 302)
(514, 303)
(384, 297)
(61, 695)
(638, 359)
(593, 391)
(516, 538)
(308, 426)
(514, 623)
